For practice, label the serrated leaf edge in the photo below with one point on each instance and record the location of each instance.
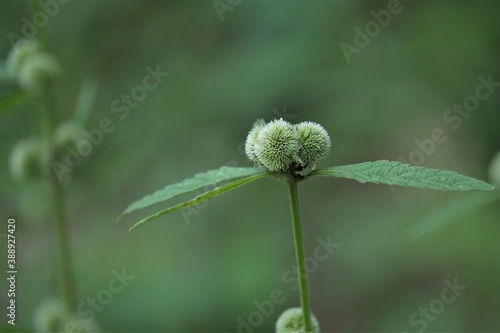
(203, 197)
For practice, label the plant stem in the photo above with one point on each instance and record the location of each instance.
(63, 249)
(65, 270)
(49, 121)
(299, 253)
(42, 30)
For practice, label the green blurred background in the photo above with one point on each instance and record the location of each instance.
(265, 59)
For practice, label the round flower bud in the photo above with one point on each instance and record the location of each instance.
(314, 143)
(250, 142)
(52, 316)
(495, 170)
(80, 324)
(25, 159)
(292, 321)
(276, 146)
(21, 51)
(36, 70)
(67, 134)
(49, 316)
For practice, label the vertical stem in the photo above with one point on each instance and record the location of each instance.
(42, 31)
(65, 271)
(299, 253)
(59, 207)
(49, 121)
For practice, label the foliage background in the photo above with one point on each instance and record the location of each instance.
(264, 56)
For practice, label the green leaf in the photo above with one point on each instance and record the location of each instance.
(451, 212)
(11, 99)
(203, 197)
(400, 174)
(86, 99)
(199, 181)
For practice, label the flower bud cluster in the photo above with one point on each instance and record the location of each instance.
(281, 147)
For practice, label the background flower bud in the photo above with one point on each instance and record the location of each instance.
(49, 315)
(495, 170)
(25, 159)
(67, 134)
(314, 143)
(276, 146)
(21, 51)
(52, 316)
(36, 70)
(292, 321)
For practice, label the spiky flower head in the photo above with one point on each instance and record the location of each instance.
(277, 146)
(314, 143)
(252, 139)
(25, 159)
(292, 321)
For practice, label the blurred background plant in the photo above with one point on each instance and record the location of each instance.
(264, 60)
(33, 71)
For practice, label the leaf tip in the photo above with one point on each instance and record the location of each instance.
(121, 216)
(135, 226)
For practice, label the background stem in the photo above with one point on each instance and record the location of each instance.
(299, 253)
(59, 206)
(49, 121)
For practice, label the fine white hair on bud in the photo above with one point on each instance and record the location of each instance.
(282, 147)
(277, 146)
(250, 142)
(314, 143)
(292, 321)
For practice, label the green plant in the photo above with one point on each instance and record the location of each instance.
(290, 153)
(34, 68)
(33, 72)
(451, 211)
